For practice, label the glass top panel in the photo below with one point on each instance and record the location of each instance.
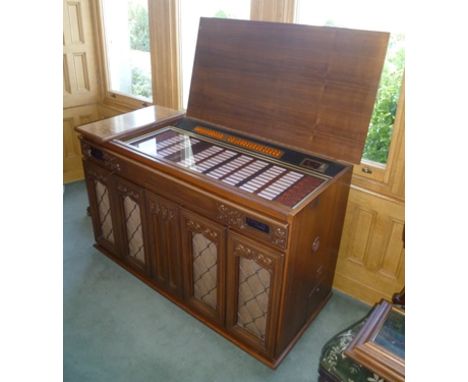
(250, 173)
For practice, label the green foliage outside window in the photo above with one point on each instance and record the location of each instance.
(139, 40)
(383, 117)
(139, 29)
(141, 84)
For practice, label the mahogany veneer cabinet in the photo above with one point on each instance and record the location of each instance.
(256, 267)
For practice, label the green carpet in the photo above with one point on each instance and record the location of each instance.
(118, 329)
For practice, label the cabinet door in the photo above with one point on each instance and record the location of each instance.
(164, 243)
(253, 287)
(203, 245)
(101, 196)
(131, 209)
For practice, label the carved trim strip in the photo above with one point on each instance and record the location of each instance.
(109, 161)
(197, 227)
(235, 218)
(249, 253)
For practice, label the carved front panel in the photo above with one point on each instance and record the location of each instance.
(164, 240)
(272, 232)
(205, 259)
(253, 297)
(253, 285)
(104, 211)
(133, 227)
(203, 248)
(132, 221)
(101, 193)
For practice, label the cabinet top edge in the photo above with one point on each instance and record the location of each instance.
(129, 123)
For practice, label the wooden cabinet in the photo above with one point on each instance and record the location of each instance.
(101, 196)
(256, 279)
(203, 245)
(164, 243)
(253, 286)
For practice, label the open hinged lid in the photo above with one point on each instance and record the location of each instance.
(310, 88)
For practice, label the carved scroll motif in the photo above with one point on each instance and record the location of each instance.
(109, 161)
(235, 218)
(128, 192)
(98, 176)
(197, 227)
(231, 216)
(249, 253)
(162, 211)
(280, 236)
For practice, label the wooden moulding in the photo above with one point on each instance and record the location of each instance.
(304, 87)
(365, 351)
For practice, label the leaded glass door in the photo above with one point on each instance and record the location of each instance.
(203, 244)
(101, 202)
(253, 286)
(131, 201)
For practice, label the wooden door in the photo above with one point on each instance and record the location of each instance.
(253, 287)
(203, 248)
(164, 243)
(132, 224)
(102, 205)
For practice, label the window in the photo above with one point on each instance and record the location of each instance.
(127, 47)
(190, 14)
(368, 14)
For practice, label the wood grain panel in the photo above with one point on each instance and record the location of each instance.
(371, 258)
(75, 19)
(66, 77)
(359, 241)
(81, 72)
(269, 80)
(79, 63)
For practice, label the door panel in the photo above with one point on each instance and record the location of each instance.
(102, 206)
(253, 286)
(131, 209)
(164, 243)
(203, 245)
(371, 259)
